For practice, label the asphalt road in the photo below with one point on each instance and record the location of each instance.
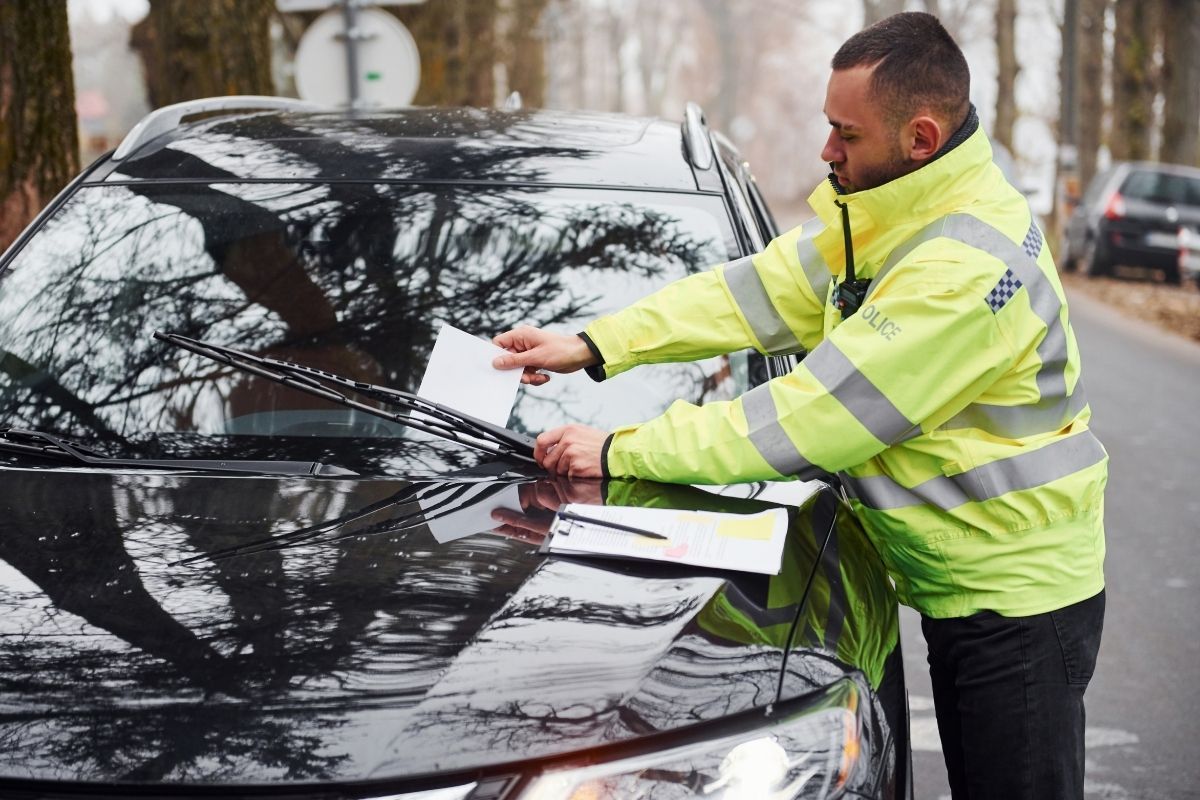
(1143, 735)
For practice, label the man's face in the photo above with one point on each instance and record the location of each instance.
(863, 148)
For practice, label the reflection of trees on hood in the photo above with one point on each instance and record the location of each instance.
(214, 647)
(350, 277)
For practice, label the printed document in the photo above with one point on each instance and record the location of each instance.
(743, 542)
(460, 375)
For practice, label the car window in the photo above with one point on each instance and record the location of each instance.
(1162, 187)
(350, 278)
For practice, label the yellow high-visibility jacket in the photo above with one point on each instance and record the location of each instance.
(951, 403)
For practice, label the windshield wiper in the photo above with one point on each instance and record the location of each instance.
(435, 419)
(47, 445)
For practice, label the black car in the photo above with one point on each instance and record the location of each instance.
(1131, 215)
(216, 583)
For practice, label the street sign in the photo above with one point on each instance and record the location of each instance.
(291, 6)
(374, 64)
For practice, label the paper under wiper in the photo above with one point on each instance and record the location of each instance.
(743, 542)
(460, 375)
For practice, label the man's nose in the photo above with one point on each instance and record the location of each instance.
(833, 151)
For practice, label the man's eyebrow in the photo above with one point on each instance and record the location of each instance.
(843, 126)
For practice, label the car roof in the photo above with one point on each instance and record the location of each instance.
(1156, 166)
(417, 145)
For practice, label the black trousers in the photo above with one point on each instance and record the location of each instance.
(1008, 695)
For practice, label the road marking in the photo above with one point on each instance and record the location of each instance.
(917, 702)
(923, 735)
(1108, 737)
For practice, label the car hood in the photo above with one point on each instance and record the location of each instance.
(241, 630)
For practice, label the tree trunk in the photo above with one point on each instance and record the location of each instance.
(1090, 72)
(1181, 82)
(204, 48)
(1133, 80)
(525, 51)
(725, 30)
(39, 140)
(1006, 72)
(457, 44)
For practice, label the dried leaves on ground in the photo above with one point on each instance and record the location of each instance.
(1173, 308)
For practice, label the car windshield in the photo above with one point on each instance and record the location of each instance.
(1162, 187)
(347, 277)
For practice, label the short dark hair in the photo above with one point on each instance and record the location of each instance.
(917, 64)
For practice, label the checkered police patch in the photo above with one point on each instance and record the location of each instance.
(1005, 289)
(1033, 242)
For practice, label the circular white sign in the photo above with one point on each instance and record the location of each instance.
(389, 67)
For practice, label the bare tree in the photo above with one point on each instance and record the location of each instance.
(39, 143)
(1181, 82)
(1090, 72)
(204, 48)
(1134, 82)
(1006, 72)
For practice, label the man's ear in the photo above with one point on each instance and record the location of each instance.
(925, 138)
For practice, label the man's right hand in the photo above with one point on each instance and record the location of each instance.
(536, 349)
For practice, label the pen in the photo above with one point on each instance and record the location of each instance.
(573, 517)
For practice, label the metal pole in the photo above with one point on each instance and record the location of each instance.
(350, 15)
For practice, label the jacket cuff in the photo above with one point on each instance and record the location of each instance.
(613, 462)
(595, 371)
(604, 457)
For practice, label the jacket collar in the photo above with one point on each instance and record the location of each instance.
(948, 182)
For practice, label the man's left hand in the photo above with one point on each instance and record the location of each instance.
(572, 450)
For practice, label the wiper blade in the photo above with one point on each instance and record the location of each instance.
(435, 419)
(47, 445)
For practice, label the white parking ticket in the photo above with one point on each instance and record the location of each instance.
(460, 375)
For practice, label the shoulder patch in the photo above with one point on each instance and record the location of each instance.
(1033, 242)
(1005, 288)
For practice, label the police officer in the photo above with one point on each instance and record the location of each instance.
(941, 382)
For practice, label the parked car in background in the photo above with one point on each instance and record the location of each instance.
(212, 583)
(1130, 215)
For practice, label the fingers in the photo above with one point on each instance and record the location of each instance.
(534, 378)
(545, 442)
(535, 349)
(519, 338)
(533, 357)
(539, 524)
(572, 450)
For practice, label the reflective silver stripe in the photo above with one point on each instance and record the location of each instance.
(1016, 422)
(853, 390)
(756, 306)
(811, 261)
(1025, 471)
(768, 436)
(1043, 300)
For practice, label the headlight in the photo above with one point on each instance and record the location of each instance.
(802, 749)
